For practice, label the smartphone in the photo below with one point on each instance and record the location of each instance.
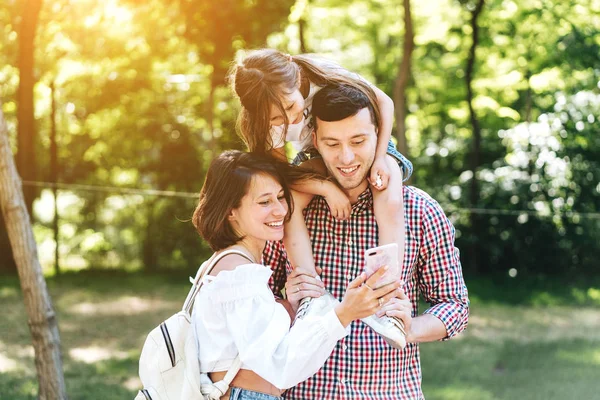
(379, 256)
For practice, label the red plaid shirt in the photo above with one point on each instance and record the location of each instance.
(363, 365)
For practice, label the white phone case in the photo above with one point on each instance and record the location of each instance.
(383, 255)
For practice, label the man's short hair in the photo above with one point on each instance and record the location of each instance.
(335, 102)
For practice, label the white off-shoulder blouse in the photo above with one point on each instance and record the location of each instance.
(236, 313)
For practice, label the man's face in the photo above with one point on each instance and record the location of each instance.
(348, 149)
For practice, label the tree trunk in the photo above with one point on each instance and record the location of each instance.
(148, 246)
(210, 113)
(7, 262)
(40, 313)
(302, 27)
(54, 174)
(26, 135)
(402, 80)
(528, 107)
(301, 30)
(476, 144)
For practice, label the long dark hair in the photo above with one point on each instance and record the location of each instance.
(227, 182)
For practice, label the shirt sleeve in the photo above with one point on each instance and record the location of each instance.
(260, 328)
(441, 280)
(275, 257)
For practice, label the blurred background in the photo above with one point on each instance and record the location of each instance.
(116, 107)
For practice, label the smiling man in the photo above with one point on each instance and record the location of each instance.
(363, 365)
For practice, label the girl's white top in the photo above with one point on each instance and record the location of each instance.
(302, 139)
(236, 313)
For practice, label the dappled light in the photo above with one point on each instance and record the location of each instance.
(121, 306)
(591, 356)
(115, 109)
(93, 354)
(534, 325)
(7, 364)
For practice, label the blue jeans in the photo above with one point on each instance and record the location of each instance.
(243, 394)
(407, 167)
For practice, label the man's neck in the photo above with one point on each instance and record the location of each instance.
(353, 194)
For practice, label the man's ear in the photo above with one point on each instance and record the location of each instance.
(314, 137)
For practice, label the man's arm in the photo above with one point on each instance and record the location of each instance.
(426, 328)
(441, 281)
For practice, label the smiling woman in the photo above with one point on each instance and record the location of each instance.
(243, 204)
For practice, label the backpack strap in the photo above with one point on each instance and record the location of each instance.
(214, 391)
(217, 389)
(204, 270)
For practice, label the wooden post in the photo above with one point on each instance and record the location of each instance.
(40, 313)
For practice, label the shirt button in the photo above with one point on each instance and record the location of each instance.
(349, 277)
(345, 347)
(350, 242)
(342, 381)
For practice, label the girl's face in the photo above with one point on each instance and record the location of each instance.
(262, 211)
(293, 103)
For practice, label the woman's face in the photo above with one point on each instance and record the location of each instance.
(262, 210)
(293, 103)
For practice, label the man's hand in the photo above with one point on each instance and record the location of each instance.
(401, 308)
(380, 174)
(300, 284)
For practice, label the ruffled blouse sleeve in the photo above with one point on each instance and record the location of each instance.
(260, 328)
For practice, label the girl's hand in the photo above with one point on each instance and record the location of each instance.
(338, 202)
(380, 174)
(361, 300)
(302, 283)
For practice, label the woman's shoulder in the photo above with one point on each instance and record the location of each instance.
(235, 270)
(229, 263)
(244, 281)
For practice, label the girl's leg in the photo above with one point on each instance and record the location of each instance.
(388, 206)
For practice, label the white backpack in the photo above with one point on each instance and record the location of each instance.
(169, 365)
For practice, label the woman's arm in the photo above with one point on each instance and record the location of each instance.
(260, 328)
(283, 356)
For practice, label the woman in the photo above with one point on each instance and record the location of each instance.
(244, 203)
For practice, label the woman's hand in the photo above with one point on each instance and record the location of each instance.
(338, 202)
(361, 300)
(380, 174)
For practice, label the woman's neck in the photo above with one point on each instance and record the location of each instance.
(253, 249)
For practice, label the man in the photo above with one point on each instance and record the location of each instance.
(363, 365)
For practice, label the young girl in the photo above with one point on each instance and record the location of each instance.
(276, 92)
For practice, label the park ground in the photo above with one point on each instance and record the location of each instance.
(524, 341)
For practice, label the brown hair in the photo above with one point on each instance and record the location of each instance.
(227, 182)
(259, 81)
(338, 102)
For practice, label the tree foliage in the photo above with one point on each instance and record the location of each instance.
(143, 102)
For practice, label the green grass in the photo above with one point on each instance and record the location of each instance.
(539, 349)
